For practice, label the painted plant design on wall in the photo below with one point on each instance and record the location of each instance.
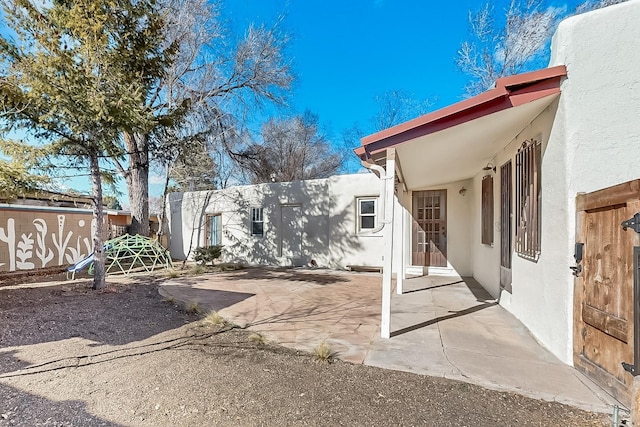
(42, 252)
(30, 252)
(9, 237)
(76, 254)
(60, 244)
(24, 252)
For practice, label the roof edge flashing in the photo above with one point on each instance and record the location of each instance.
(536, 84)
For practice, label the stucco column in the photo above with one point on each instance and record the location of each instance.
(387, 264)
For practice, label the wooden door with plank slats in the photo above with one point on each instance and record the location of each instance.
(603, 303)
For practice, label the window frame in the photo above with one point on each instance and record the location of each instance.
(360, 215)
(528, 194)
(210, 217)
(486, 219)
(256, 216)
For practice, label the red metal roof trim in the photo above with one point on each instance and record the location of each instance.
(509, 92)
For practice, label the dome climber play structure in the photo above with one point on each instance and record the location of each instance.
(126, 254)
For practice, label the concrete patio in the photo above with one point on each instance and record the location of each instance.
(441, 326)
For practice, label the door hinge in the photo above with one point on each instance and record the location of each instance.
(633, 223)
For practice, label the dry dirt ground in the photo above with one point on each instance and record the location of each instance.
(71, 356)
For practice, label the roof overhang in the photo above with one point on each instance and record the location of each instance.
(455, 142)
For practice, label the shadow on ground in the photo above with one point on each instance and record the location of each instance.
(286, 274)
(432, 287)
(74, 310)
(21, 408)
(214, 299)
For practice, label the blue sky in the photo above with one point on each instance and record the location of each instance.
(347, 52)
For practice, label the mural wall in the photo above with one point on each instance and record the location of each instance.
(43, 238)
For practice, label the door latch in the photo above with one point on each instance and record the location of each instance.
(578, 253)
(577, 269)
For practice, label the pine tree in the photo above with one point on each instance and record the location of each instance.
(74, 75)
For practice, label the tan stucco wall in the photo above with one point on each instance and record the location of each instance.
(35, 238)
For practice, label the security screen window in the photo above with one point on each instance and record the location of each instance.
(528, 200)
(257, 222)
(366, 214)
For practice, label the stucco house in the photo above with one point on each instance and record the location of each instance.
(527, 183)
(523, 187)
(331, 223)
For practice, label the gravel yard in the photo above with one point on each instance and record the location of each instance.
(71, 356)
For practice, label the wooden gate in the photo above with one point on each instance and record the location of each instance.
(604, 300)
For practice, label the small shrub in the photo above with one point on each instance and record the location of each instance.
(214, 318)
(173, 274)
(198, 269)
(207, 254)
(257, 338)
(322, 352)
(169, 299)
(193, 308)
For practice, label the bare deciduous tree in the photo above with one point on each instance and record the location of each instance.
(210, 82)
(291, 150)
(596, 4)
(395, 107)
(501, 46)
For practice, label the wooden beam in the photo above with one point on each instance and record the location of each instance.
(616, 195)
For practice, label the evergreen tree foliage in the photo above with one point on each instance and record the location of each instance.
(75, 74)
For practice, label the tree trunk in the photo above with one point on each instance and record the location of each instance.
(163, 210)
(98, 214)
(137, 179)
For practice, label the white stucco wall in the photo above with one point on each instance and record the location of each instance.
(329, 206)
(486, 258)
(589, 140)
(346, 245)
(598, 125)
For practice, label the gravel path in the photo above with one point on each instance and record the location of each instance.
(70, 356)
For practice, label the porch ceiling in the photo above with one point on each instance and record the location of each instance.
(460, 152)
(456, 142)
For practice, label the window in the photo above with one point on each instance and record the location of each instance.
(528, 220)
(487, 210)
(366, 214)
(257, 222)
(214, 230)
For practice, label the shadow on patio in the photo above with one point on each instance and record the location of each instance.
(441, 326)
